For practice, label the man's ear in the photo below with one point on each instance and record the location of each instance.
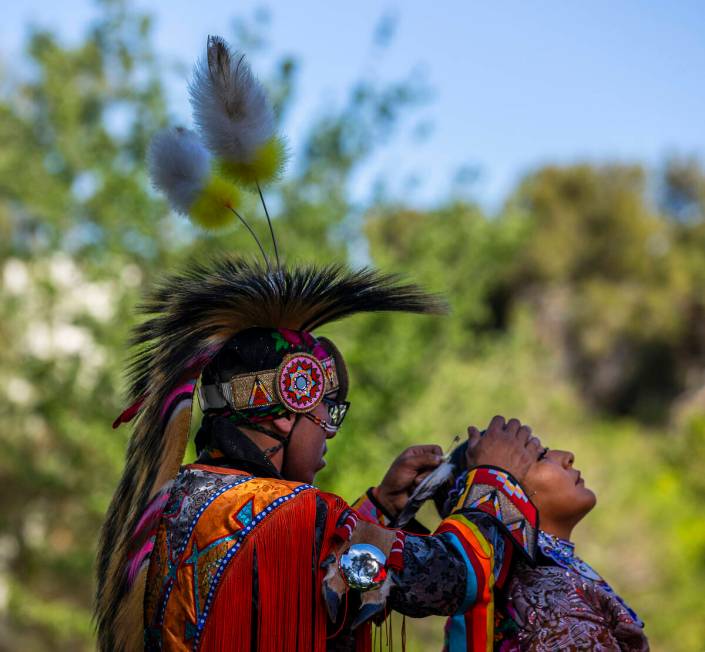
(285, 424)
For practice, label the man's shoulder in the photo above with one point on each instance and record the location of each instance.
(209, 499)
(206, 478)
(215, 485)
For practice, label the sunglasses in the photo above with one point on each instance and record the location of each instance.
(336, 411)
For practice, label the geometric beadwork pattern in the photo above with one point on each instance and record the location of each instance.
(518, 531)
(217, 566)
(259, 389)
(330, 372)
(495, 493)
(259, 395)
(244, 515)
(510, 488)
(301, 382)
(369, 511)
(205, 566)
(490, 504)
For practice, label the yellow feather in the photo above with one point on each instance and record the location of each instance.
(266, 165)
(213, 206)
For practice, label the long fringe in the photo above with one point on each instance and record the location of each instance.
(285, 572)
(286, 601)
(229, 627)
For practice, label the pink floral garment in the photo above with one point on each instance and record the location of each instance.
(556, 608)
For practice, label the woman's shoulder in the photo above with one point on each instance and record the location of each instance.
(554, 602)
(560, 589)
(547, 588)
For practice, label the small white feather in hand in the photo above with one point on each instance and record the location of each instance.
(179, 166)
(426, 489)
(229, 104)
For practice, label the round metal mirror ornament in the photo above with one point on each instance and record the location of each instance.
(363, 567)
(300, 382)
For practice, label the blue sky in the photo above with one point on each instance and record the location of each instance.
(517, 84)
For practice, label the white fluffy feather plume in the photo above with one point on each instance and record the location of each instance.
(179, 166)
(229, 104)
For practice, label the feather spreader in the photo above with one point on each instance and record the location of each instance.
(266, 164)
(190, 317)
(179, 165)
(215, 206)
(230, 106)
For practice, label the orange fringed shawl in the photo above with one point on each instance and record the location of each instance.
(248, 573)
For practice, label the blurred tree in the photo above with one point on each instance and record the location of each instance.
(81, 228)
(610, 279)
(61, 370)
(682, 192)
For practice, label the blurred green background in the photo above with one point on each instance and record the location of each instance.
(578, 306)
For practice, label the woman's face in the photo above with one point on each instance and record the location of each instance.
(558, 491)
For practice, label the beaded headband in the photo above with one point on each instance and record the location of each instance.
(299, 383)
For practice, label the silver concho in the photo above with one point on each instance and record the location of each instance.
(363, 567)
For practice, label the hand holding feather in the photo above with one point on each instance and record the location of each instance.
(508, 445)
(405, 474)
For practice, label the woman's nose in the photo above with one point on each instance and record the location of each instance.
(568, 459)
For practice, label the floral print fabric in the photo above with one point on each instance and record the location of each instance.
(562, 606)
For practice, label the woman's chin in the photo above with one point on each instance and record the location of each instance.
(588, 498)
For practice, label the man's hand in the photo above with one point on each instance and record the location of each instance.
(510, 446)
(405, 473)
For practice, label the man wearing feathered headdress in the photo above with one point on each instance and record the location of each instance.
(239, 551)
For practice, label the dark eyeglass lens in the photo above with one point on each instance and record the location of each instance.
(336, 412)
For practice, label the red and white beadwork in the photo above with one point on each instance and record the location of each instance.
(301, 382)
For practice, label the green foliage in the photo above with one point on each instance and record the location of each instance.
(618, 281)
(577, 308)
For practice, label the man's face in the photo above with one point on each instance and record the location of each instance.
(307, 446)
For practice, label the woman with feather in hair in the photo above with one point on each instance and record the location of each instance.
(561, 602)
(239, 550)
